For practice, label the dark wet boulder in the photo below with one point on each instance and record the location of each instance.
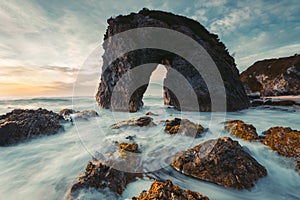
(70, 114)
(166, 190)
(241, 130)
(66, 111)
(183, 126)
(141, 121)
(22, 124)
(101, 176)
(221, 161)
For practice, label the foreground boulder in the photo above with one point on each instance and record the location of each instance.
(273, 77)
(221, 161)
(126, 97)
(142, 121)
(183, 126)
(241, 130)
(166, 190)
(100, 176)
(19, 125)
(285, 141)
(70, 114)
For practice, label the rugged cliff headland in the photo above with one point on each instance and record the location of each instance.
(115, 71)
(273, 77)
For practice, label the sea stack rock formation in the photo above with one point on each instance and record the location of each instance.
(273, 77)
(119, 66)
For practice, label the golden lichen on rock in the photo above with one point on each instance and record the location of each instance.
(129, 147)
(241, 130)
(285, 141)
(184, 126)
(166, 190)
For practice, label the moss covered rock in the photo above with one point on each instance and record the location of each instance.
(241, 130)
(221, 161)
(166, 190)
(183, 126)
(285, 141)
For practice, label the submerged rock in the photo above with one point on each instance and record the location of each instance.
(130, 98)
(100, 176)
(151, 113)
(142, 121)
(21, 124)
(70, 114)
(166, 190)
(241, 130)
(273, 77)
(183, 126)
(221, 161)
(66, 112)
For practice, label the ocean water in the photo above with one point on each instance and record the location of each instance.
(44, 168)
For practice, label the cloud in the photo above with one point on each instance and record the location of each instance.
(288, 50)
(231, 22)
(45, 43)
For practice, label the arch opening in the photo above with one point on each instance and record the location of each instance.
(155, 87)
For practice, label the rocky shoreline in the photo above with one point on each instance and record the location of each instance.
(221, 161)
(24, 124)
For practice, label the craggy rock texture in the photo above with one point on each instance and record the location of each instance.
(129, 147)
(166, 190)
(241, 129)
(273, 77)
(221, 161)
(184, 126)
(100, 176)
(70, 114)
(142, 121)
(19, 125)
(122, 68)
(285, 141)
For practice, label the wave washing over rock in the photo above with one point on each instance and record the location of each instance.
(47, 166)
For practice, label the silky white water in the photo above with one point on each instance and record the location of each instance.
(43, 168)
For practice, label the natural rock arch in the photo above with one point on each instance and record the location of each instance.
(116, 77)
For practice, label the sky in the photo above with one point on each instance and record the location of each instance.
(46, 46)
